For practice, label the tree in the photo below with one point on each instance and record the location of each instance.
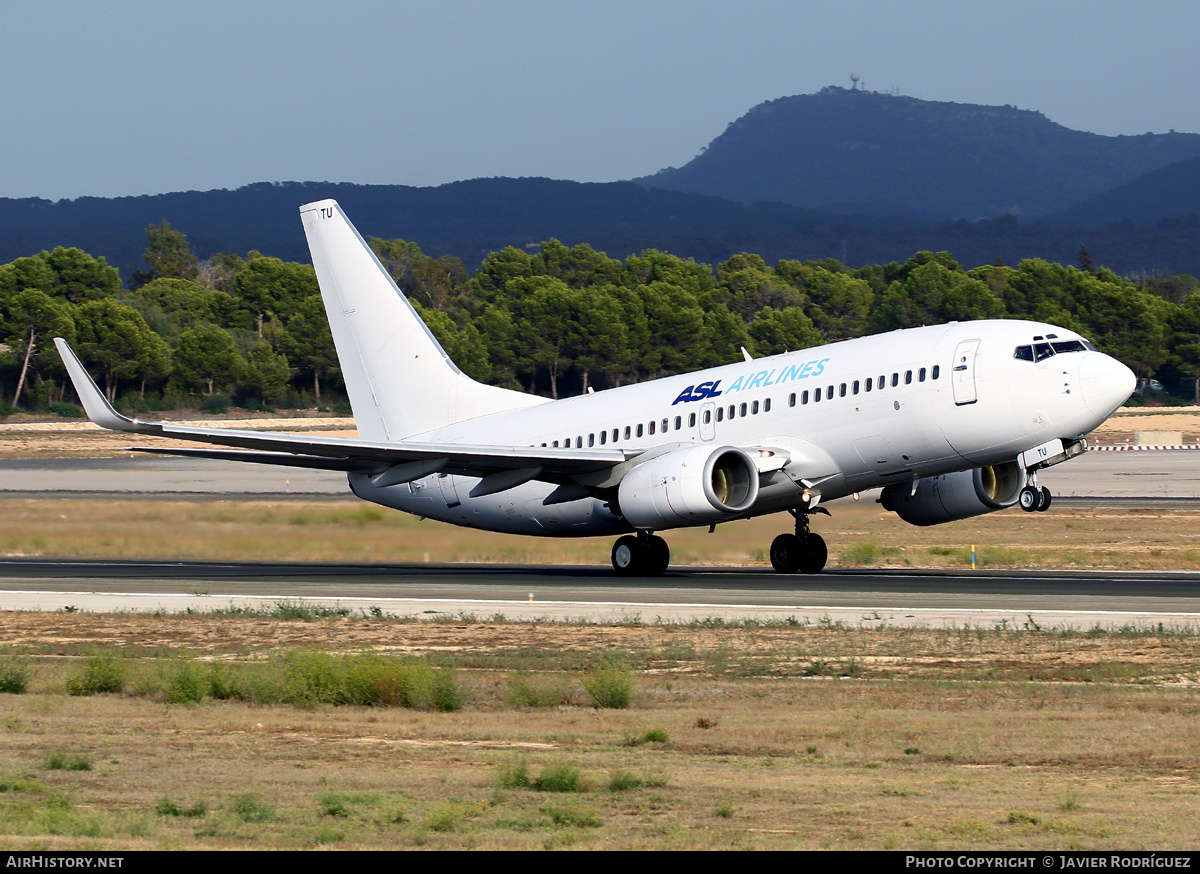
(168, 254)
(206, 358)
(114, 337)
(265, 373)
(308, 343)
(32, 316)
(269, 285)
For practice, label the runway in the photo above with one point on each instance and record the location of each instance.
(855, 598)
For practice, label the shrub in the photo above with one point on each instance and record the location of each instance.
(63, 762)
(524, 690)
(215, 403)
(650, 735)
(252, 808)
(14, 676)
(187, 685)
(609, 687)
(514, 774)
(100, 673)
(167, 807)
(623, 781)
(559, 776)
(67, 411)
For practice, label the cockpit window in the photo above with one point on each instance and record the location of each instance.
(1024, 353)
(1042, 351)
(1061, 346)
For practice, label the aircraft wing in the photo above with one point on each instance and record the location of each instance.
(406, 460)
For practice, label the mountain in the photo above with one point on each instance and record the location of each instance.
(1171, 192)
(850, 151)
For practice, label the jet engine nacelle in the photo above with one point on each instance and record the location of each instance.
(688, 487)
(957, 495)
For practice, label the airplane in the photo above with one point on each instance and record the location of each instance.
(948, 421)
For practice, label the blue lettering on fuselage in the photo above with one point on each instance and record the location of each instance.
(698, 392)
(758, 379)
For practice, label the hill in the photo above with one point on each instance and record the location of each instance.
(1171, 192)
(850, 151)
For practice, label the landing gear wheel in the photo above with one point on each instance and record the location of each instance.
(628, 556)
(786, 553)
(658, 556)
(1029, 499)
(1043, 499)
(815, 554)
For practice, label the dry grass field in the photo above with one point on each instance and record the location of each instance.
(859, 535)
(769, 737)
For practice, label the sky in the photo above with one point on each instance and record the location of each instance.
(128, 97)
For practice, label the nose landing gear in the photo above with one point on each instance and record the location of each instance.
(643, 555)
(804, 551)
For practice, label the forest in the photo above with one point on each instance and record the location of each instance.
(251, 331)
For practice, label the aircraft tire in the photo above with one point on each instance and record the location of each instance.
(1029, 499)
(1043, 499)
(815, 554)
(658, 557)
(628, 557)
(786, 553)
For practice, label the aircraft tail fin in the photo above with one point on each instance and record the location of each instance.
(400, 380)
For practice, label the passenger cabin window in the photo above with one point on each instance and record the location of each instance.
(679, 422)
(732, 408)
(908, 377)
(639, 429)
(579, 442)
(767, 405)
(742, 411)
(615, 433)
(754, 408)
(591, 440)
(937, 370)
(651, 427)
(720, 414)
(664, 426)
(804, 397)
(895, 380)
(555, 444)
(692, 420)
(707, 416)
(792, 399)
(856, 386)
(817, 396)
(921, 375)
(868, 385)
(627, 432)
(603, 437)
(842, 390)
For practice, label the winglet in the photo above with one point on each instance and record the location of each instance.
(98, 409)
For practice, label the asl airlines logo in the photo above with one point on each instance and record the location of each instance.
(698, 392)
(761, 379)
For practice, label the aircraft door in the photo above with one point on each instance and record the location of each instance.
(708, 421)
(962, 374)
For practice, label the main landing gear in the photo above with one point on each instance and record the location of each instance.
(802, 552)
(643, 555)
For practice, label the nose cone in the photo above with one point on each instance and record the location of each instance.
(1105, 383)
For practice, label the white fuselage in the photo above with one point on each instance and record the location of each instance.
(849, 417)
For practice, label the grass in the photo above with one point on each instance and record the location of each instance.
(14, 675)
(860, 535)
(970, 738)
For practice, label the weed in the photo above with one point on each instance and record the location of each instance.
(445, 818)
(14, 676)
(705, 722)
(570, 814)
(339, 804)
(1020, 817)
(252, 808)
(861, 554)
(559, 776)
(650, 735)
(514, 774)
(610, 687)
(525, 690)
(100, 673)
(725, 809)
(1071, 802)
(62, 762)
(624, 781)
(912, 751)
(167, 807)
